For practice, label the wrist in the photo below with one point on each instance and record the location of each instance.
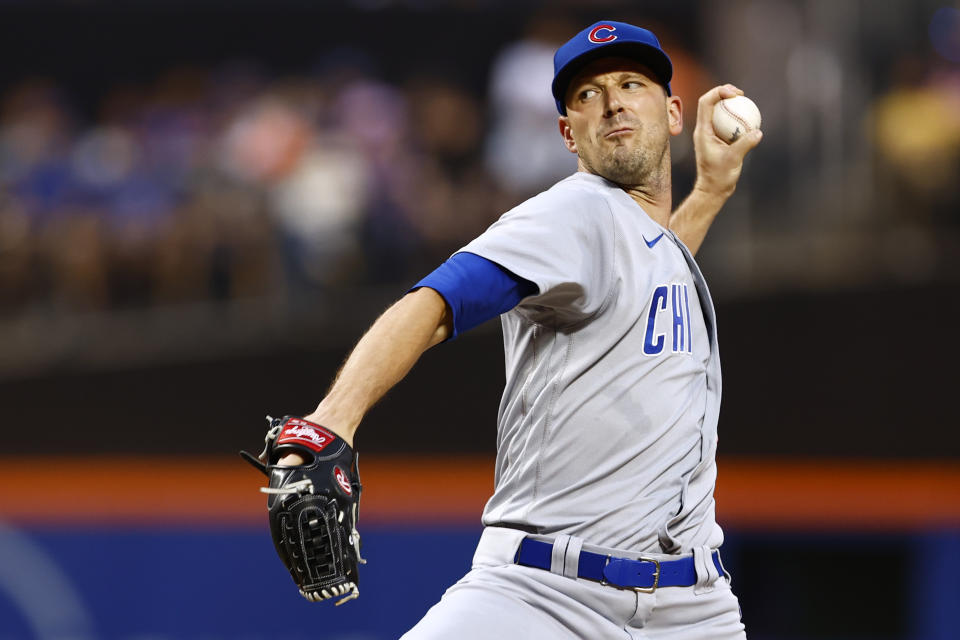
(712, 194)
(329, 420)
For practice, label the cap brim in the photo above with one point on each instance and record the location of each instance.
(646, 54)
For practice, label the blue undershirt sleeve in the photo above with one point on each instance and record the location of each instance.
(476, 289)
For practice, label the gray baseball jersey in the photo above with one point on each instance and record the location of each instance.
(607, 429)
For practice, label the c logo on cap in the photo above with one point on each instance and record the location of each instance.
(593, 37)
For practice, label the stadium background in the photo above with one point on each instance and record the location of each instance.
(203, 204)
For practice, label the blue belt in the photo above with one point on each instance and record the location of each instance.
(645, 574)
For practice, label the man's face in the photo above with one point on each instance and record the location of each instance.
(619, 121)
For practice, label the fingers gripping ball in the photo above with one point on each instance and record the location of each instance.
(734, 117)
(313, 507)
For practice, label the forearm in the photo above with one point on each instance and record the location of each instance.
(718, 170)
(382, 358)
(692, 219)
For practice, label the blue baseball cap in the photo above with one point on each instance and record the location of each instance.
(603, 39)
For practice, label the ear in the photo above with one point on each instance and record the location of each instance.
(567, 133)
(675, 115)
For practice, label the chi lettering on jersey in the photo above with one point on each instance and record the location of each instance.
(668, 322)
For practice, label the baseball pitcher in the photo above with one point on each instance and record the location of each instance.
(602, 521)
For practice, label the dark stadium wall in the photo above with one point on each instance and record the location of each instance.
(798, 382)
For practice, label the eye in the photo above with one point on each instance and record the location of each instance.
(633, 84)
(586, 94)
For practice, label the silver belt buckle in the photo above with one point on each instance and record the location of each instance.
(656, 576)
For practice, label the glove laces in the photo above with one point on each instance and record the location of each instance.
(299, 487)
(333, 592)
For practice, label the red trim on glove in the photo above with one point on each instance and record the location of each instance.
(305, 433)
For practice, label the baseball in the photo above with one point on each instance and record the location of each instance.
(734, 117)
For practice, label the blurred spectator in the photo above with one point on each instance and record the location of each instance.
(374, 116)
(19, 277)
(452, 198)
(524, 150)
(75, 257)
(690, 81)
(319, 206)
(265, 141)
(35, 138)
(915, 129)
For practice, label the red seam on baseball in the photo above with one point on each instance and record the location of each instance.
(746, 125)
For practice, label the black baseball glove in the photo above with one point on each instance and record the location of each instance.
(313, 507)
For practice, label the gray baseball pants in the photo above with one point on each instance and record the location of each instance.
(499, 600)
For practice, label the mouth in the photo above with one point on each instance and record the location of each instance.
(618, 132)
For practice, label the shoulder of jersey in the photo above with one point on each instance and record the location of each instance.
(574, 193)
(584, 183)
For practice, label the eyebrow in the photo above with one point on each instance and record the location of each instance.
(620, 75)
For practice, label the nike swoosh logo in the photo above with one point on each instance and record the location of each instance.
(650, 243)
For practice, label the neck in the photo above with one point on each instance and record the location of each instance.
(654, 196)
(656, 204)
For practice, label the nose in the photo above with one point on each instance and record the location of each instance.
(612, 102)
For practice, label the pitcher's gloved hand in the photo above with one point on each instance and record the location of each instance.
(313, 507)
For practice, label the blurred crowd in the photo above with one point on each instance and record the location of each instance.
(228, 182)
(224, 182)
(219, 185)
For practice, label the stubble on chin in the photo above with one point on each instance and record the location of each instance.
(637, 167)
